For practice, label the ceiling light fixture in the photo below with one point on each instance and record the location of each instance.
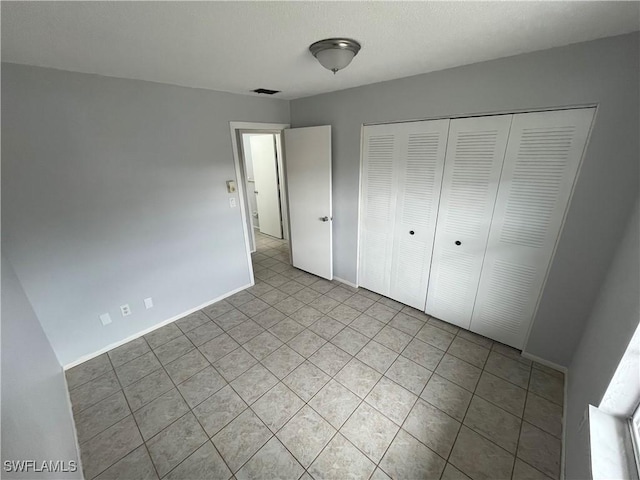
(335, 53)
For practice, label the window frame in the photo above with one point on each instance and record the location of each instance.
(634, 427)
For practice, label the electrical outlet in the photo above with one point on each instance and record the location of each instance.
(232, 202)
(125, 310)
(148, 303)
(105, 318)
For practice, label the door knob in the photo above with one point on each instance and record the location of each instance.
(411, 232)
(324, 219)
(458, 242)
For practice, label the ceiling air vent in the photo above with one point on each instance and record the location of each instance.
(266, 91)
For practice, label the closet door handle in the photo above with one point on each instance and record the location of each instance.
(458, 242)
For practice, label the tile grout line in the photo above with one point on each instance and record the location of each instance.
(490, 349)
(144, 440)
(161, 367)
(420, 397)
(473, 393)
(274, 434)
(362, 401)
(381, 300)
(414, 337)
(77, 412)
(189, 411)
(155, 469)
(513, 468)
(466, 412)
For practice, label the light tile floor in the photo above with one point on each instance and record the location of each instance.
(299, 377)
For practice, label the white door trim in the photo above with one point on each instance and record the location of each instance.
(234, 127)
(284, 202)
(360, 169)
(491, 113)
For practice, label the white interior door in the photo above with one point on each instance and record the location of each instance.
(267, 189)
(475, 154)
(308, 169)
(540, 167)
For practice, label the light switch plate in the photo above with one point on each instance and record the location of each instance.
(148, 303)
(232, 202)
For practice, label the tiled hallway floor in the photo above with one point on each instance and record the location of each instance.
(301, 377)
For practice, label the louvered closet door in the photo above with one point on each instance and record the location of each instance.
(377, 207)
(475, 153)
(422, 149)
(541, 163)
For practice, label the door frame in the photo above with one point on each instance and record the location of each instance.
(236, 129)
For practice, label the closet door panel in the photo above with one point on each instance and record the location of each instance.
(541, 164)
(377, 208)
(475, 154)
(421, 164)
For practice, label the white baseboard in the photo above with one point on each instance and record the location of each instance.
(341, 280)
(84, 358)
(544, 362)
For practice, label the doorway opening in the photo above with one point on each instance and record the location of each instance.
(292, 209)
(264, 183)
(262, 191)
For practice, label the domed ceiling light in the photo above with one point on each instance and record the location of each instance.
(335, 53)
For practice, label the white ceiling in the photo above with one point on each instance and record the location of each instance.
(240, 46)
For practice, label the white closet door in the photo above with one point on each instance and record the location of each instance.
(420, 167)
(377, 205)
(541, 163)
(475, 153)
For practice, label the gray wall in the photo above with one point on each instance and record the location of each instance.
(36, 413)
(608, 331)
(114, 190)
(603, 72)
